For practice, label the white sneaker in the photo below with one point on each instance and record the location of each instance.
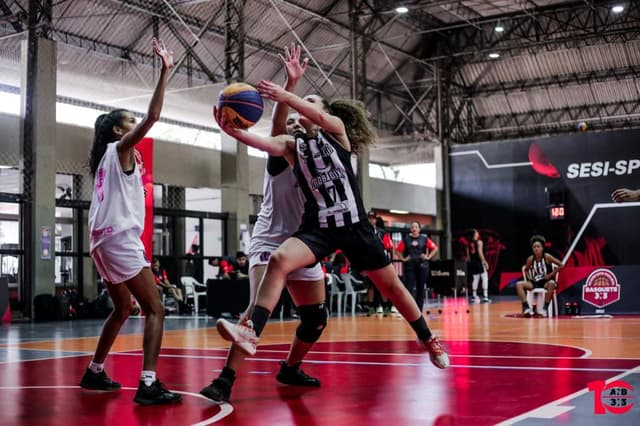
(485, 300)
(527, 312)
(542, 312)
(379, 310)
(476, 299)
(437, 354)
(394, 310)
(241, 334)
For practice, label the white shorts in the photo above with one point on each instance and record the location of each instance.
(120, 258)
(313, 273)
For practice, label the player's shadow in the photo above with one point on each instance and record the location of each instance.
(294, 397)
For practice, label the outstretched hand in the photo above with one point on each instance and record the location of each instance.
(623, 194)
(292, 65)
(271, 91)
(224, 124)
(163, 53)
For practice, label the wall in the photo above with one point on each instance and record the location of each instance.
(196, 167)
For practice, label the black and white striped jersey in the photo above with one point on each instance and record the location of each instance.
(327, 180)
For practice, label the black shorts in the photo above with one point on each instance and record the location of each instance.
(540, 283)
(358, 242)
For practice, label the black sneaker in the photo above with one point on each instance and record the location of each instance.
(98, 381)
(218, 391)
(155, 394)
(295, 376)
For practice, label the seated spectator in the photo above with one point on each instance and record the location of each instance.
(242, 265)
(225, 265)
(539, 273)
(164, 286)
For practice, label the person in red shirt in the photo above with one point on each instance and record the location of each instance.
(416, 250)
(163, 283)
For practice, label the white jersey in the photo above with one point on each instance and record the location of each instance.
(281, 210)
(117, 203)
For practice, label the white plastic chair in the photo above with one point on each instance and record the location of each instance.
(191, 287)
(334, 290)
(349, 291)
(538, 294)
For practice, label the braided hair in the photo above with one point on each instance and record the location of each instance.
(104, 134)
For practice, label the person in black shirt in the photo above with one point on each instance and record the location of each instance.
(416, 250)
(478, 267)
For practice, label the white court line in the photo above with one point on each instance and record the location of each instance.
(486, 164)
(587, 352)
(225, 408)
(394, 364)
(541, 411)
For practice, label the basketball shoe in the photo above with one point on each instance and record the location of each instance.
(155, 394)
(98, 381)
(218, 391)
(241, 334)
(437, 354)
(293, 375)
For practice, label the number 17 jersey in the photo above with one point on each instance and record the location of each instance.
(328, 183)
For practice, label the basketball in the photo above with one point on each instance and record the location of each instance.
(582, 126)
(241, 105)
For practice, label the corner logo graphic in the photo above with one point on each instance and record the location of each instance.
(614, 397)
(601, 288)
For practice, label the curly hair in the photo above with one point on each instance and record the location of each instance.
(356, 121)
(537, 239)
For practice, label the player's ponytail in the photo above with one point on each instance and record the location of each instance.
(102, 135)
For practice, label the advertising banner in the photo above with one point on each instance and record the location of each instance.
(559, 187)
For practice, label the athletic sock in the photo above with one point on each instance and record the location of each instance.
(421, 329)
(228, 374)
(148, 377)
(96, 367)
(259, 318)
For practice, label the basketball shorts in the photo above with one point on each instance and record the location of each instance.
(259, 255)
(120, 258)
(358, 242)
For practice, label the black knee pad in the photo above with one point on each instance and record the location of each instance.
(313, 319)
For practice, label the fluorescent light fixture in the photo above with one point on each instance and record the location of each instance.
(398, 211)
(617, 8)
(494, 55)
(499, 28)
(402, 9)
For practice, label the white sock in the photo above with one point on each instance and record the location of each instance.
(148, 377)
(95, 367)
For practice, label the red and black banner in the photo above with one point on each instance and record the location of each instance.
(559, 187)
(144, 158)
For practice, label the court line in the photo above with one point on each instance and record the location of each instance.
(392, 364)
(557, 402)
(225, 408)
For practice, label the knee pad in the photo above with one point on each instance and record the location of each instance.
(313, 320)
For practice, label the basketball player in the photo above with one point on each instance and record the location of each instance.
(539, 274)
(478, 267)
(334, 216)
(279, 218)
(116, 221)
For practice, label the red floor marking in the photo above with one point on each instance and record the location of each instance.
(402, 388)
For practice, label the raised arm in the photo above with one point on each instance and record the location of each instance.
(276, 146)
(294, 71)
(128, 142)
(319, 117)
